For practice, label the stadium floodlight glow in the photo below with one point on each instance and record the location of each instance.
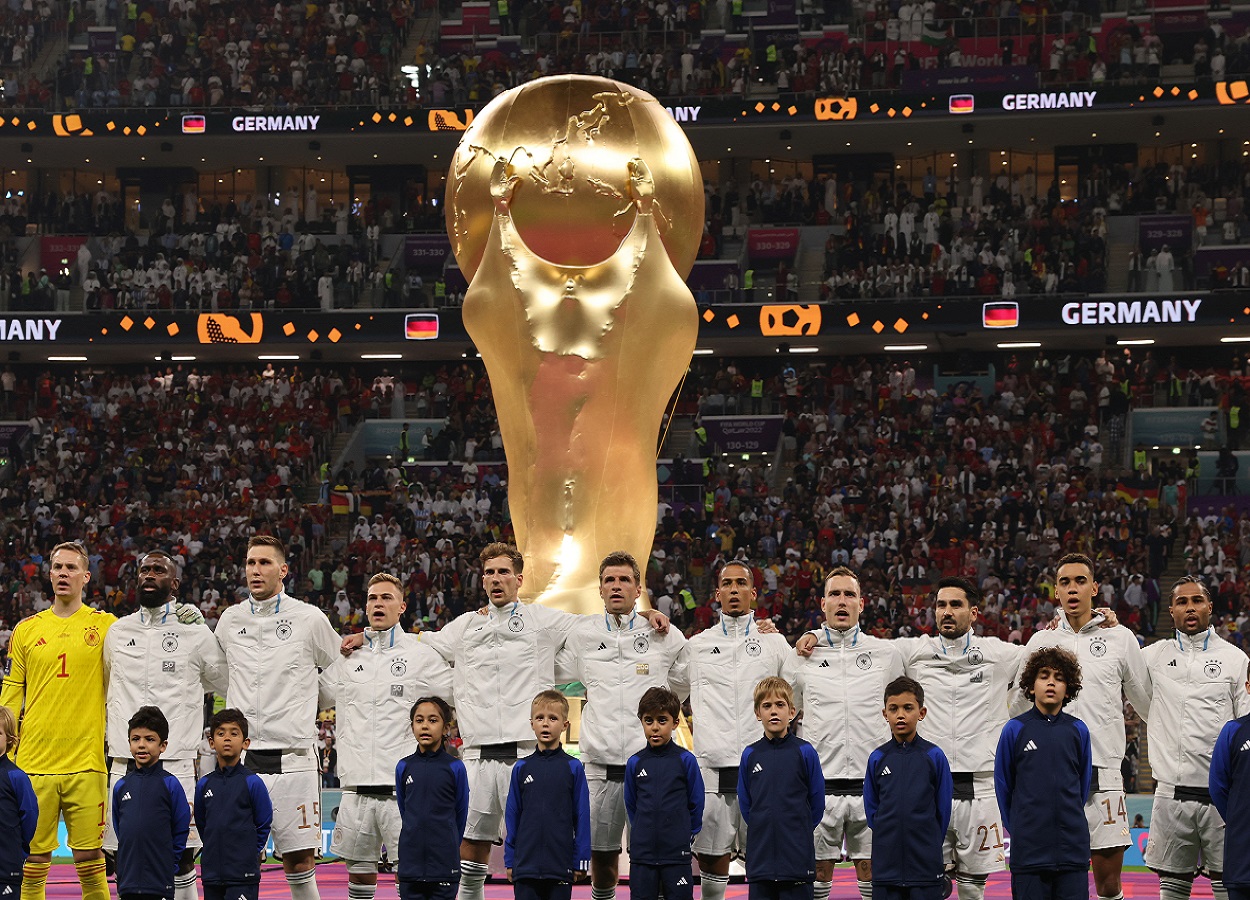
(1019, 345)
(67, 359)
(1234, 339)
(381, 356)
(175, 358)
(906, 347)
(804, 349)
(703, 351)
(1136, 342)
(271, 356)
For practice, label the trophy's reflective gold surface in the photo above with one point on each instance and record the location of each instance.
(575, 208)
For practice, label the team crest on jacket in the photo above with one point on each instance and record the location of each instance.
(92, 636)
(754, 648)
(515, 623)
(975, 656)
(169, 642)
(641, 644)
(398, 668)
(284, 630)
(1212, 669)
(863, 661)
(1098, 647)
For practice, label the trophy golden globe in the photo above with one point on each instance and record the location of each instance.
(575, 209)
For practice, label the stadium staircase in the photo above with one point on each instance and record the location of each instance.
(1121, 239)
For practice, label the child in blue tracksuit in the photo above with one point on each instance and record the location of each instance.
(19, 810)
(1230, 792)
(662, 782)
(234, 814)
(150, 813)
(907, 798)
(432, 789)
(781, 794)
(548, 812)
(1042, 774)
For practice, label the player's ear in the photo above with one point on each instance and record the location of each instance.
(247, 742)
(924, 711)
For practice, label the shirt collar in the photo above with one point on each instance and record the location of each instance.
(504, 612)
(269, 607)
(1200, 641)
(835, 638)
(738, 626)
(623, 624)
(382, 640)
(157, 615)
(956, 646)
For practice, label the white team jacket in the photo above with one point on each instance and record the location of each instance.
(966, 682)
(152, 659)
(1199, 683)
(840, 689)
(719, 669)
(372, 692)
(1110, 660)
(502, 660)
(274, 649)
(617, 665)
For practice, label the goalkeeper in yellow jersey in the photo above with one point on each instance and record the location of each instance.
(56, 674)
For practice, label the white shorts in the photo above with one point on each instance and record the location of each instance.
(296, 798)
(974, 841)
(1107, 815)
(607, 810)
(844, 818)
(724, 831)
(364, 825)
(1184, 834)
(489, 780)
(183, 770)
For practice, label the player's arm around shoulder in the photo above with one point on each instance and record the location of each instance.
(1136, 677)
(324, 640)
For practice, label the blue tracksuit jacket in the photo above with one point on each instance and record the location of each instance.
(907, 797)
(152, 820)
(780, 790)
(1042, 774)
(547, 817)
(1230, 792)
(234, 814)
(19, 810)
(433, 794)
(661, 783)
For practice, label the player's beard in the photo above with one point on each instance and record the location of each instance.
(153, 599)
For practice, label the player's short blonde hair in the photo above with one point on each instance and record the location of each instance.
(389, 579)
(72, 547)
(772, 686)
(8, 722)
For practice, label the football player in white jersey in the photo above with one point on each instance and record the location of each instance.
(153, 659)
(719, 669)
(1111, 665)
(372, 692)
(618, 656)
(1198, 684)
(839, 688)
(274, 645)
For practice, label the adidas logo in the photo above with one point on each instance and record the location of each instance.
(1030, 746)
(242, 896)
(758, 768)
(885, 771)
(603, 646)
(1172, 663)
(130, 643)
(682, 880)
(1245, 746)
(824, 665)
(41, 643)
(642, 773)
(408, 780)
(360, 668)
(208, 794)
(8, 889)
(716, 651)
(529, 779)
(242, 631)
(126, 796)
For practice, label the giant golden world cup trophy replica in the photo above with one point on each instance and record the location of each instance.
(575, 209)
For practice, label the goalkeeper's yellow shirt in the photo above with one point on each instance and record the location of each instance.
(56, 671)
